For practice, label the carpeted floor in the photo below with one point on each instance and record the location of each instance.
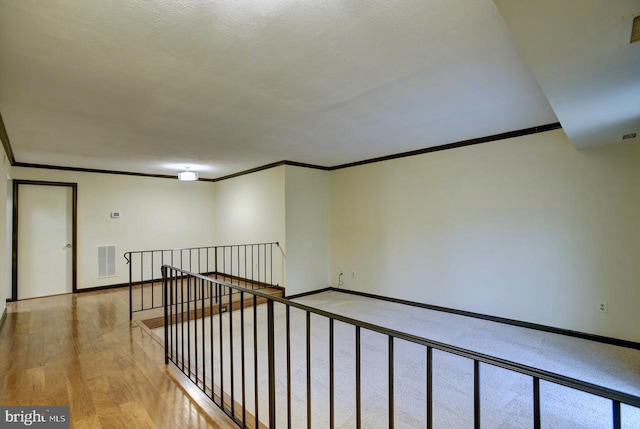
(506, 397)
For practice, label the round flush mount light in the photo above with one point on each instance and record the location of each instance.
(187, 176)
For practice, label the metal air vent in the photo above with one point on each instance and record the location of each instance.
(106, 261)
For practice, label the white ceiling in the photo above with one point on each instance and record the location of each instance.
(225, 86)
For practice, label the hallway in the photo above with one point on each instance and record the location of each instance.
(80, 350)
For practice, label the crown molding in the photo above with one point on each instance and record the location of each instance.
(5, 142)
(455, 145)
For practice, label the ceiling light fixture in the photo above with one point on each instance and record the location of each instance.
(187, 176)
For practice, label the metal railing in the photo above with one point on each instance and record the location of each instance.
(214, 355)
(255, 266)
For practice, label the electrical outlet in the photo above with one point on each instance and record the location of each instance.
(603, 307)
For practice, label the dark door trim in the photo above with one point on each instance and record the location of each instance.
(74, 243)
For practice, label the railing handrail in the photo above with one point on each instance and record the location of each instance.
(178, 249)
(570, 382)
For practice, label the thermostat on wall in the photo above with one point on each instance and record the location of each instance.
(115, 215)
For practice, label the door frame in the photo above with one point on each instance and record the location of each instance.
(74, 240)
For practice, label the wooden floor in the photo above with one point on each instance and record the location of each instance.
(82, 351)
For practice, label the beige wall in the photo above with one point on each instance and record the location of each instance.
(307, 229)
(251, 209)
(156, 214)
(4, 236)
(285, 204)
(526, 228)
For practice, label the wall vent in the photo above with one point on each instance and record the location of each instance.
(106, 261)
(635, 30)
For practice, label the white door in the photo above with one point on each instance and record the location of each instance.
(45, 237)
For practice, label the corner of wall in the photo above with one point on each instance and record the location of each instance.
(251, 209)
(307, 229)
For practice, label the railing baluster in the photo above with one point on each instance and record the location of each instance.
(536, 403)
(174, 315)
(189, 324)
(272, 364)
(211, 342)
(331, 377)
(142, 280)
(476, 394)
(174, 320)
(231, 366)
(358, 386)
(308, 370)
(130, 262)
(175, 273)
(166, 317)
(202, 316)
(215, 264)
(244, 407)
(195, 325)
(162, 265)
(216, 275)
(391, 390)
(288, 327)
(429, 387)
(182, 318)
(617, 420)
(255, 359)
(153, 302)
(220, 334)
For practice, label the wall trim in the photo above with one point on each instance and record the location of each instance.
(2, 318)
(455, 145)
(105, 287)
(5, 142)
(570, 333)
(272, 165)
(311, 292)
(95, 170)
